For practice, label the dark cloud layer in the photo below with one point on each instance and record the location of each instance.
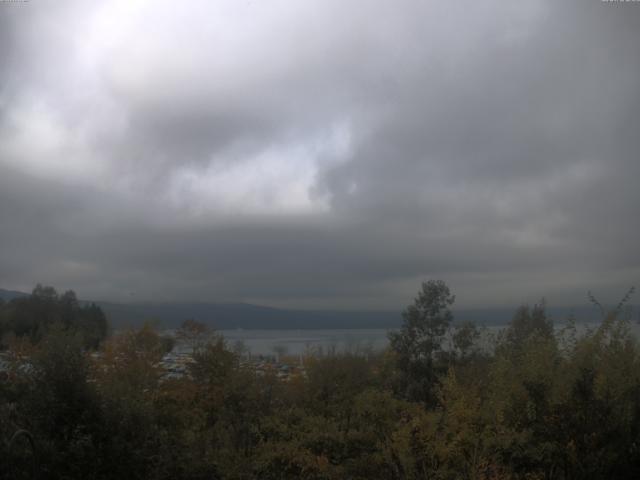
(320, 154)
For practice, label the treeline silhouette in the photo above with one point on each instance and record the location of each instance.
(32, 317)
(443, 401)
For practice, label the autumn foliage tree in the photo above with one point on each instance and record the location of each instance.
(418, 344)
(538, 402)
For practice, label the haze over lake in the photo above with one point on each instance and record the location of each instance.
(296, 342)
(300, 342)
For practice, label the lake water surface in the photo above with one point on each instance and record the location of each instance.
(296, 342)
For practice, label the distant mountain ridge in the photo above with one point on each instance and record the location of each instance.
(223, 316)
(7, 295)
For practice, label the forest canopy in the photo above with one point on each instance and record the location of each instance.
(445, 401)
(33, 316)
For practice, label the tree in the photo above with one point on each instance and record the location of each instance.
(94, 325)
(418, 344)
(528, 322)
(127, 376)
(33, 316)
(61, 404)
(193, 334)
(465, 339)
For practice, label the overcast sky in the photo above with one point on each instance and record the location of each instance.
(321, 154)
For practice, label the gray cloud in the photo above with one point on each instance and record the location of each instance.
(320, 154)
